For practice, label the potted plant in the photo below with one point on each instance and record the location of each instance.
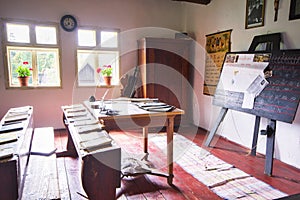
(24, 74)
(106, 72)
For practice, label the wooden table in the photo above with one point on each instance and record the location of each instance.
(130, 116)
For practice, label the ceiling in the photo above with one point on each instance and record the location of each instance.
(205, 2)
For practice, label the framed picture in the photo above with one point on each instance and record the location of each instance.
(255, 13)
(294, 10)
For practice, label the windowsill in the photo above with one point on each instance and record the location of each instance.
(33, 87)
(97, 86)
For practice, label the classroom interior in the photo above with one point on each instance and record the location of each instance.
(269, 165)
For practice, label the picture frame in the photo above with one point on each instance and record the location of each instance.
(255, 13)
(294, 10)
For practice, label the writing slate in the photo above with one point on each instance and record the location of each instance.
(279, 99)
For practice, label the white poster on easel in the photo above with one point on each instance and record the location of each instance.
(245, 73)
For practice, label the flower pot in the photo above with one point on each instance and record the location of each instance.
(107, 80)
(23, 81)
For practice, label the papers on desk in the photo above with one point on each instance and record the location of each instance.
(20, 109)
(92, 135)
(135, 99)
(95, 140)
(156, 106)
(6, 153)
(8, 137)
(9, 127)
(85, 122)
(15, 117)
(75, 111)
(17, 114)
(80, 119)
(87, 129)
(76, 114)
(72, 107)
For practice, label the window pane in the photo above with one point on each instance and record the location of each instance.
(86, 38)
(89, 61)
(86, 63)
(44, 63)
(47, 68)
(109, 39)
(110, 58)
(17, 58)
(17, 33)
(45, 35)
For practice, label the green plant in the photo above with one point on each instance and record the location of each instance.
(23, 71)
(106, 70)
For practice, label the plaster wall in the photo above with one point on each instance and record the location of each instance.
(133, 17)
(221, 15)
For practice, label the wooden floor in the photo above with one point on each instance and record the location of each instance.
(285, 178)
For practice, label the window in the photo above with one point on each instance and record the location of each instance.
(34, 46)
(97, 48)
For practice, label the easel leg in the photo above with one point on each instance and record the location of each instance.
(216, 126)
(255, 136)
(271, 128)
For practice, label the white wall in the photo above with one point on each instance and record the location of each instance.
(221, 15)
(129, 16)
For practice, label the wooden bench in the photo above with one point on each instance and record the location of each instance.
(41, 180)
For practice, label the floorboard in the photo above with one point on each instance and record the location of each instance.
(285, 177)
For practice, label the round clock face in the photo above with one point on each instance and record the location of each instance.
(68, 23)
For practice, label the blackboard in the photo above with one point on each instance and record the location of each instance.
(279, 99)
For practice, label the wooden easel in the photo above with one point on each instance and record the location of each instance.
(277, 102)
(272, 44)
(270, 132)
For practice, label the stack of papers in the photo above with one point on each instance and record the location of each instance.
(75, 111)
(92, 136)
(156, 106)
(8, 137)
(6, 153)
(87, 129)
(95, 140)
(15, 118)
(9, 127)
(76, 114)
(85, 122)
(99, 143)
(17, 114)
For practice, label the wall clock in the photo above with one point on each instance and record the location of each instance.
(68, 23)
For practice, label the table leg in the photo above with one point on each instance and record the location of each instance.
(145, 137)
(170, 132)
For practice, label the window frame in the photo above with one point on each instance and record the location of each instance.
(32, 44)
(98, 48)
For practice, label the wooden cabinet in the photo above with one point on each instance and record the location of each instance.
(165, 72)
